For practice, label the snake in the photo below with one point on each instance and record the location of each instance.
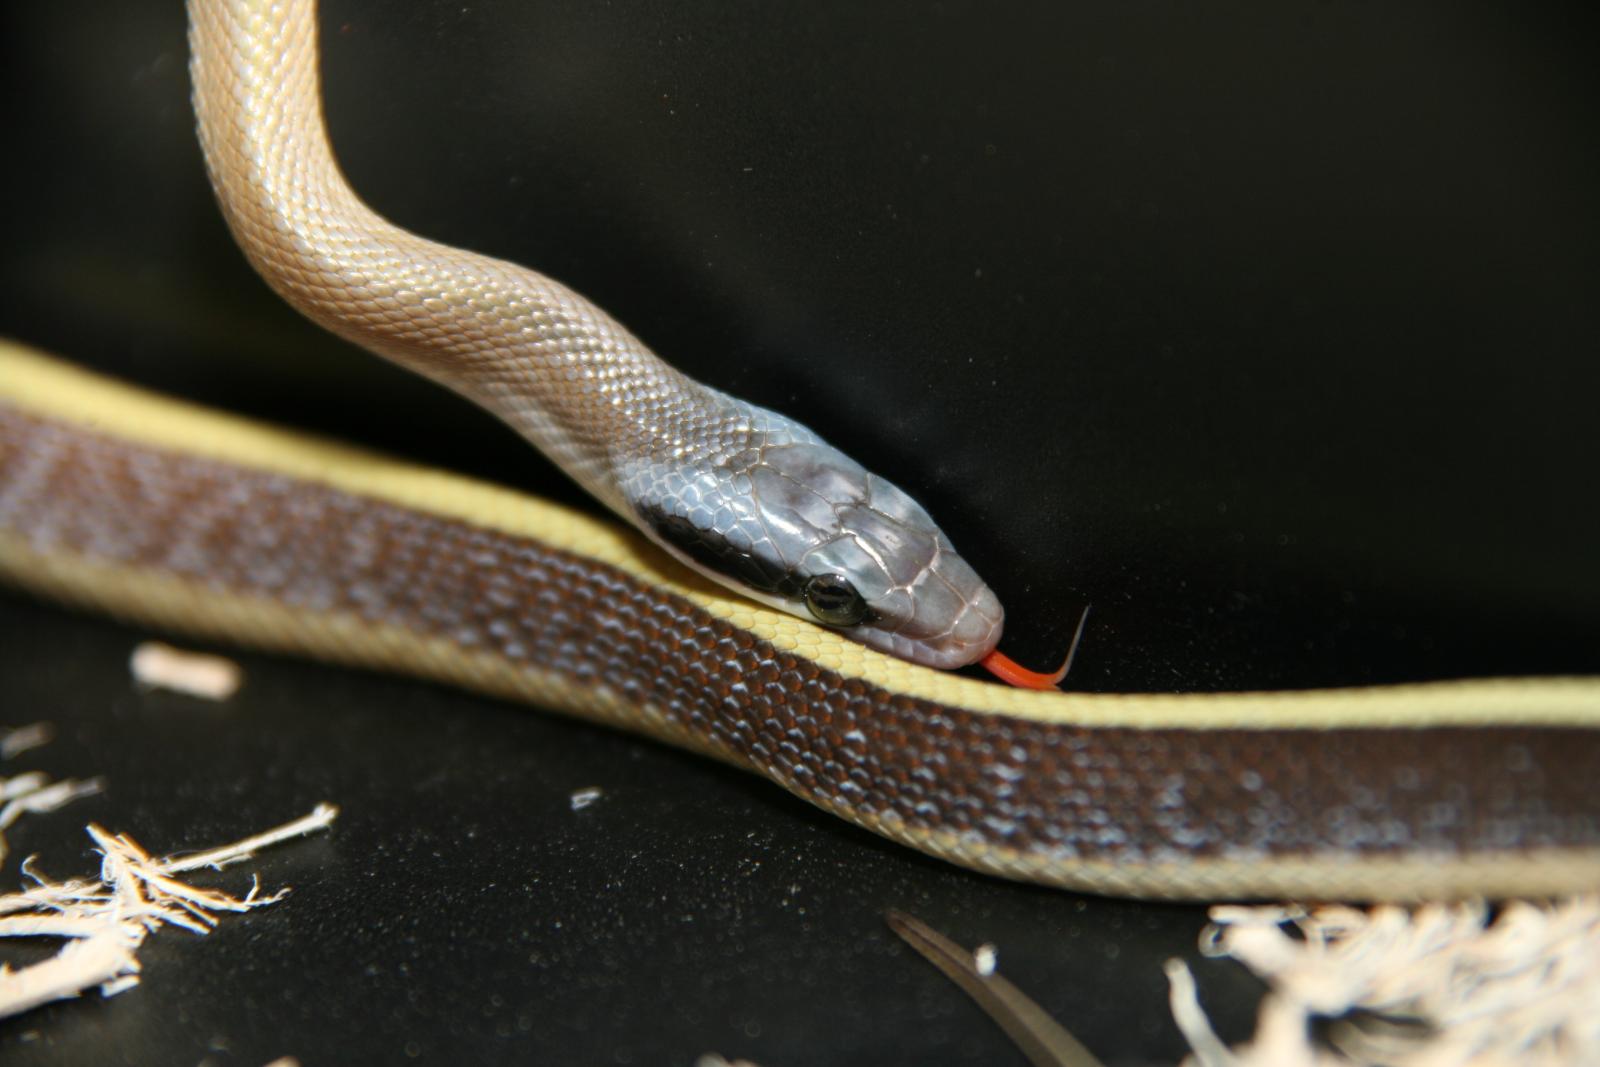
(763, 600)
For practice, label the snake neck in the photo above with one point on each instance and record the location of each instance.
(554, 366)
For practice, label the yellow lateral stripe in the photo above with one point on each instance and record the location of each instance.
(49, 388)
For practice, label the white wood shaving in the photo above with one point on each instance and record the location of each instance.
(101, 960)
(158, 666)
(40, 795)
(19, 739)
(321, 817)
(1209, 1049)
(104, 922)
(32, 792)
(1443, 985)
(582, 798)
(118, 985)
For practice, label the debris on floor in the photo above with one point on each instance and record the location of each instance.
(32, 792)
(104, 921)
(1439, 985)
(197, 674)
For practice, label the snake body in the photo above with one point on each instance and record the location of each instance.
(170, 515)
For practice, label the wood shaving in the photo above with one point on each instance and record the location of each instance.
(984, 959)
(33, 792)
(582, 798)
(105, 921)
(19, 739)
(158, 666)
(1443, 985)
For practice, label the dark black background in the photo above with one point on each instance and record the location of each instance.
(1267, 328)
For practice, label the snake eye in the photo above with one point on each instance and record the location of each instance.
(832, 600)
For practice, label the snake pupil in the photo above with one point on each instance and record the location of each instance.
(834, 601)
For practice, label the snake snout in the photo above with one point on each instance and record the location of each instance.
(958, 619)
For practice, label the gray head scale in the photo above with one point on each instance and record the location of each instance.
(787, 519)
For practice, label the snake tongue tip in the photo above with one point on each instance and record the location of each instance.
(1011, 672)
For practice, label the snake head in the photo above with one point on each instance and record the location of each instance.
(790, 521)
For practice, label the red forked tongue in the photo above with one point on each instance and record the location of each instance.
(1011, 672)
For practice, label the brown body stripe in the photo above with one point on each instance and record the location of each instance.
(1053, 792)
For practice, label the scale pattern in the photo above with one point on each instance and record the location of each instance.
(760, 489)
